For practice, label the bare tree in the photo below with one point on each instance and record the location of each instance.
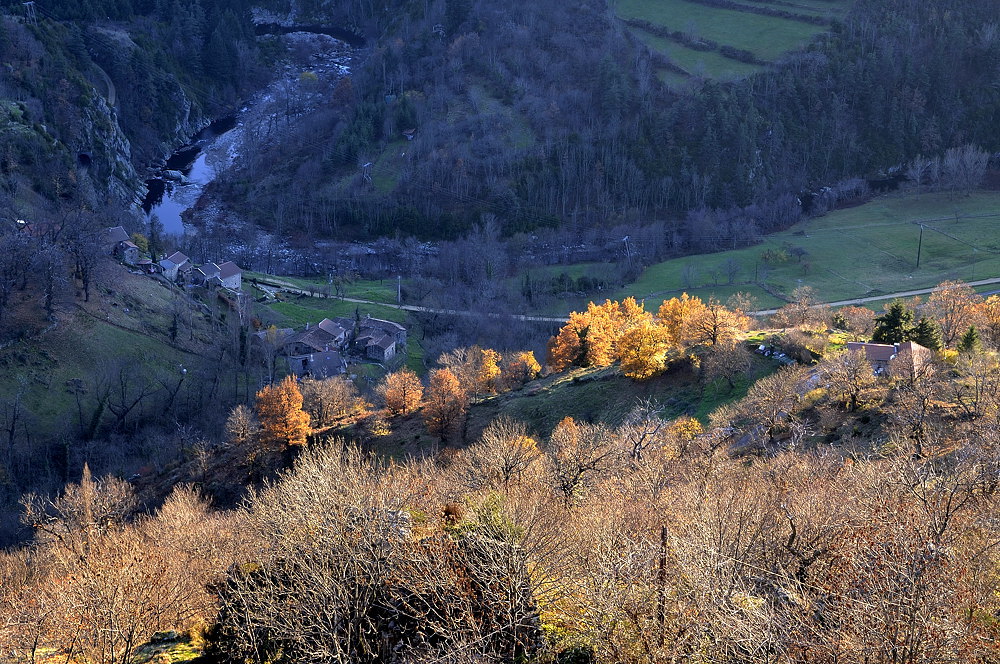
(578, 454)
(328, 399)
(501, 458)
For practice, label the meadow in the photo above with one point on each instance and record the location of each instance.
(767, 37)
(864, 251)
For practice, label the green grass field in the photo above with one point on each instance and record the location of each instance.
(699, 63)
(767, 37)
(363, 289)
(862, 251)
(822, 8)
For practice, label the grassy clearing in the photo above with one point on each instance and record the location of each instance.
(863, 251)
(389, 166)
(605, 395)
(835, 8)
(821, 8)
(126, 324)
(767, 37)
(699, 63)
(375, 290)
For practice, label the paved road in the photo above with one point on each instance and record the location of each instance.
(890, 296)
(553, 319)
(112, 92)
(290, 288)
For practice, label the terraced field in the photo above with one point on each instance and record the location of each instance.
(702, 37)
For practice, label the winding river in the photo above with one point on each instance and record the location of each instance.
(177, 187)
(183, 178)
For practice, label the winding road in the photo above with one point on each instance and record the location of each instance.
(890, 296)
(112, 96)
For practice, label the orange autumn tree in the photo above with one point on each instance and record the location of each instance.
(567, 347)
(401, 391)
(624, 331)
(591, 338)
(601, 334)
(677, 316)
(279, 408)
(520, 368)
(445, 403)
(489, 371)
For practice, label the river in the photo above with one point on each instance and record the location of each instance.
(183, 178)
(180, 183)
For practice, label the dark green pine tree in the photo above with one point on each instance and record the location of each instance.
(970, 342)
(927, 333)
(892, 326)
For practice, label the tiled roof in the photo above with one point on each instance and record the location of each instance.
(229, 269)
(117, 234)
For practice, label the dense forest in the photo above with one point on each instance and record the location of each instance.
(550, 115)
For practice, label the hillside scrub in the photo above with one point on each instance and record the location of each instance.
(610, 540)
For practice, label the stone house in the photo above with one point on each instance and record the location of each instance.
(231, 275)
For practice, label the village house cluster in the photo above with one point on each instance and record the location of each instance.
(322, 350)
(176, 267)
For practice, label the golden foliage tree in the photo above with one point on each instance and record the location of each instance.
(401, 391)
(567, 347)
(592, 338)
(489, 371)
(645, 350)
(625, 331)
(676, 316)
(520, 368)
(445, 403)
(279, 408)
(603, 328)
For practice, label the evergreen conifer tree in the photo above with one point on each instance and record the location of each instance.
(892, 326)
(970, 342)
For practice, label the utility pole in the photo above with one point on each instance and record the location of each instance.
(399, 289)
(920, 243)
(29, 9)
(628, 250)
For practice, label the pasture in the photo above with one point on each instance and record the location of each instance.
(767, 37)
(863, 251)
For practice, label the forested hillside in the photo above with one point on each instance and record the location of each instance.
(551, 115)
